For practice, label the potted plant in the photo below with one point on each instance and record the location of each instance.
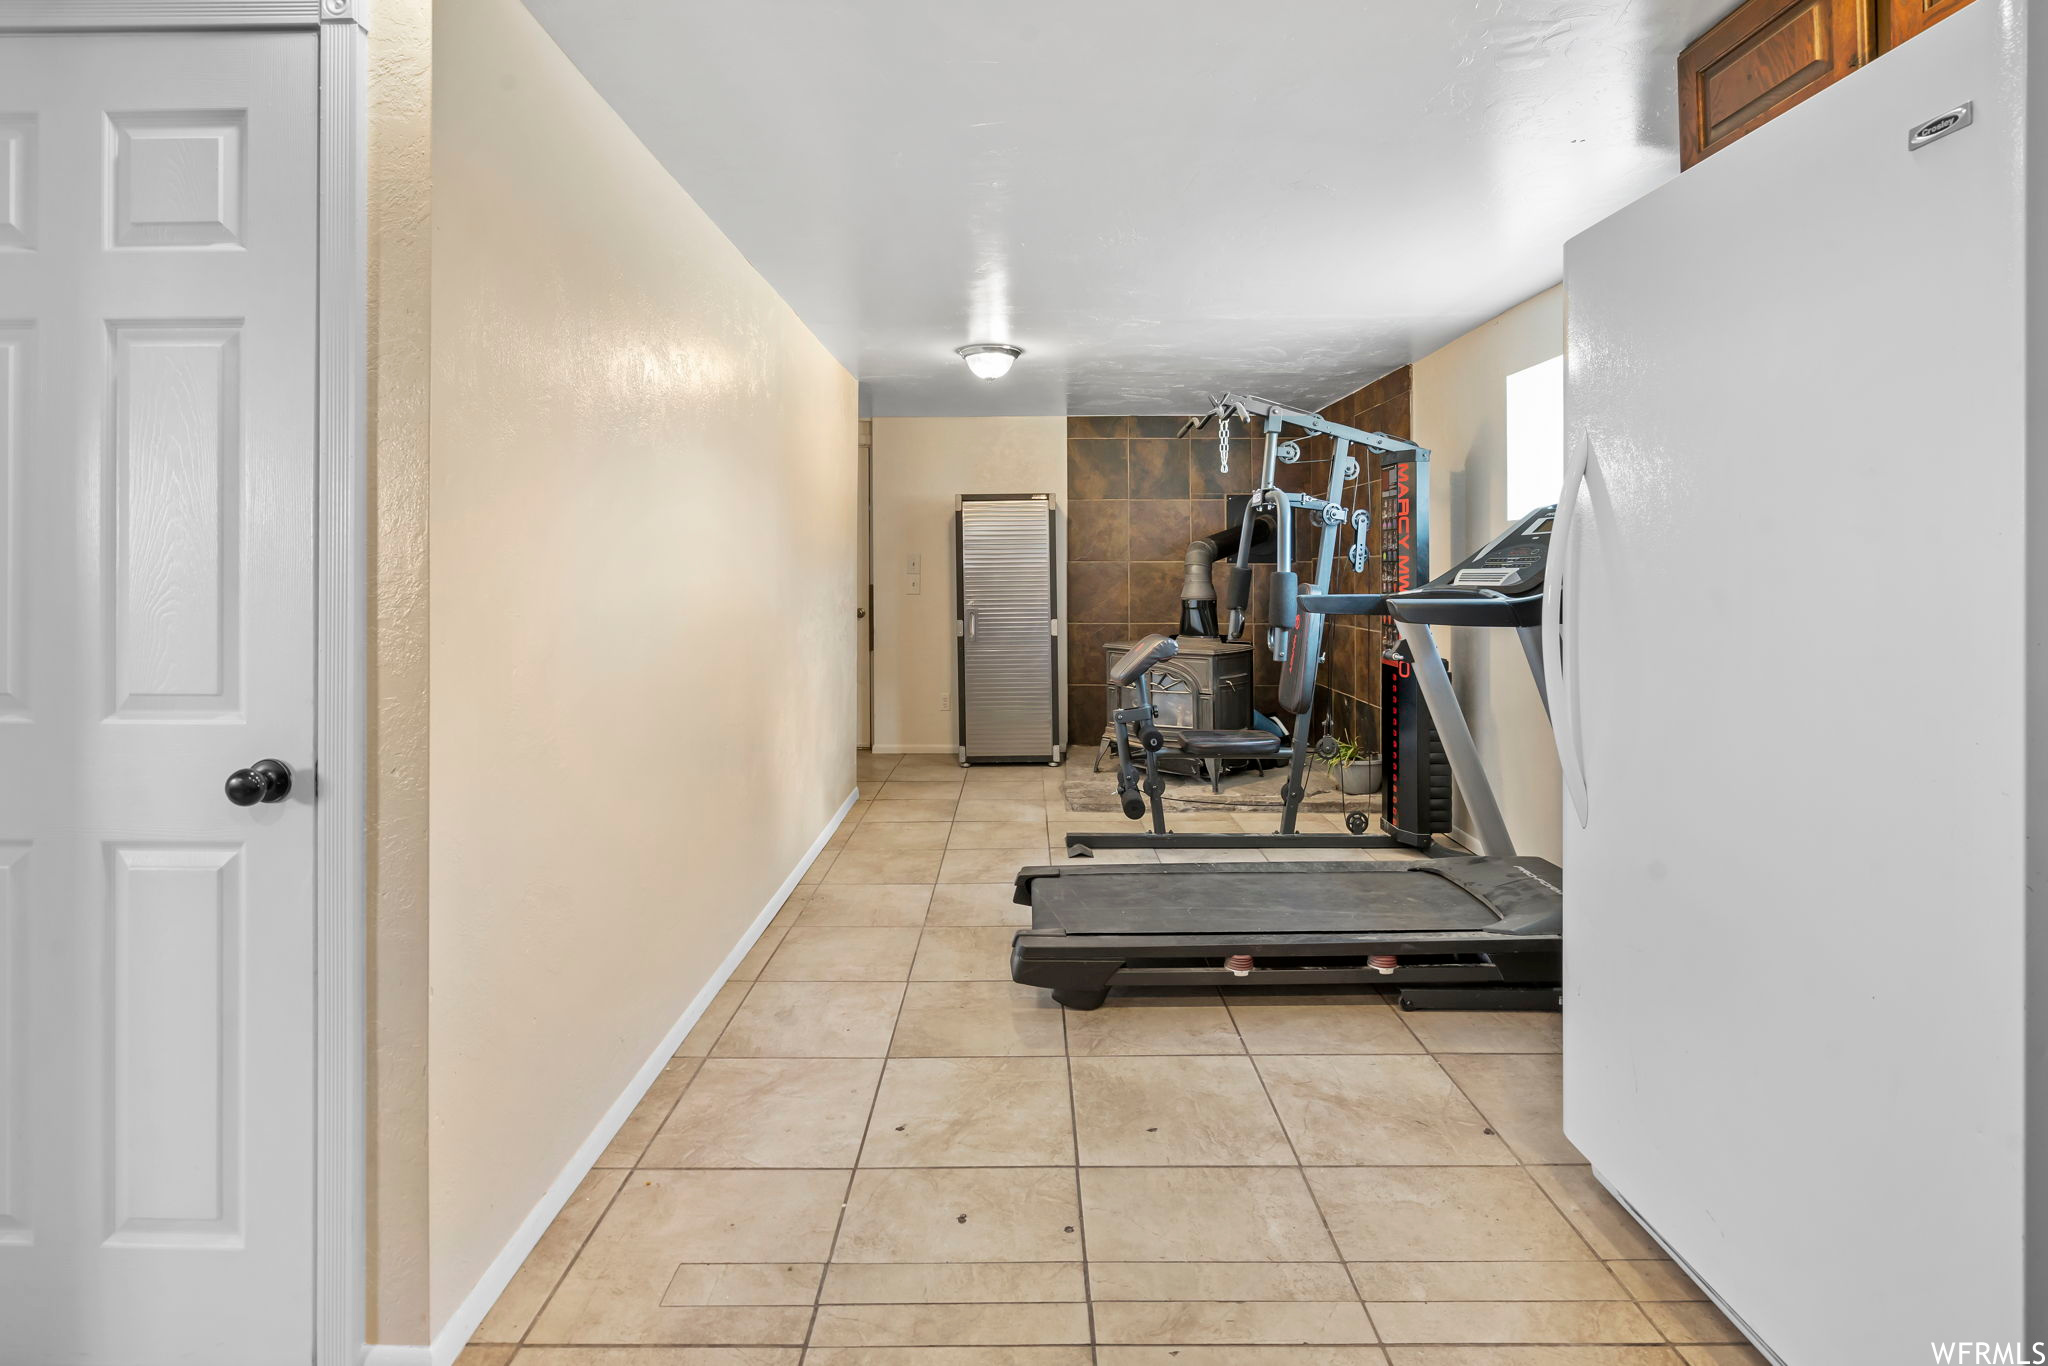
(1356, 772)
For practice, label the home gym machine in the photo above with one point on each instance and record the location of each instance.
(1465, 933)
(1295, 636)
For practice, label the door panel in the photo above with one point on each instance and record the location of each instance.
(177, 178)
(158, 246)
(17, 181)
(171, 517)
(1904, 18)
(17, 357)
(1761, 60)
(176, 1065)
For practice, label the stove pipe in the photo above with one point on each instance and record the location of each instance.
(1198, 585)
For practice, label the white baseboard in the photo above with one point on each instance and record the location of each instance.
(915, 749)
(398, 1356)
(455, 1334)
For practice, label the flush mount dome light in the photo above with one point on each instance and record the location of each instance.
(990, 360)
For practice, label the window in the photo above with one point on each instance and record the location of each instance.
(1535, 455)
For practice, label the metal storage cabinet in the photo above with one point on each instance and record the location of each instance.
(1006, 623)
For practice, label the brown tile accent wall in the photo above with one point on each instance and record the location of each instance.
(1137, 495)
(1348, 692)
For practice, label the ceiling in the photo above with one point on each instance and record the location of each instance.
(1156, 199)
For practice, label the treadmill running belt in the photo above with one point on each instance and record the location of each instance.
(1229, 899)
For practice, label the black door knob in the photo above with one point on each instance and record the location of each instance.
(266, 780)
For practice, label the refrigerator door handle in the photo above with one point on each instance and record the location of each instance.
(1559, 682)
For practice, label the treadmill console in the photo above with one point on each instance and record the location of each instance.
(1500, 584)
(1512, 565)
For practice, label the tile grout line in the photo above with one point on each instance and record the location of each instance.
(1080, 1208)
(569, 1266)
(1543, 1190)
(1301, 1170)
(637, 1165)
(631, 1172)
(1523, 1167)
(881, 1075)
(1074, 1120)
(1223, 998)
(1492, 1128)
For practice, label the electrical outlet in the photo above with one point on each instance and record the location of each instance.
(945, 701)
(913, 586)
(914, 566)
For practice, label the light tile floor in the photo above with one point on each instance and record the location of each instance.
(877, 1150)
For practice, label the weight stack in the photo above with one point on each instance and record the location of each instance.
(1417, 794)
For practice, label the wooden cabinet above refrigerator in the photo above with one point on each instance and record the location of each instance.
(1769, 55)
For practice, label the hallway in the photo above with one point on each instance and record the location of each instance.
(877, 1150)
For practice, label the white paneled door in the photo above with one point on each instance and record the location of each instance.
(157, 291)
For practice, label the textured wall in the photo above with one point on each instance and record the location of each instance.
(1461, 402)
(643, 614)
(920, 465)
(400, 261)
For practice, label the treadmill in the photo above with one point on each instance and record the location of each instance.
(1458, 933)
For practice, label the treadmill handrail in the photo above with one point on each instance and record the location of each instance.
(1343, 604)
(1465, 607)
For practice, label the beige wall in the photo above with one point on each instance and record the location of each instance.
(400, 270)
(642, 615)
(1460, 399)
(920, 464)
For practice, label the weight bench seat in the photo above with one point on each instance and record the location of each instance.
(1227, 744)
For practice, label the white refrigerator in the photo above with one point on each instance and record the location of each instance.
(1794, 614)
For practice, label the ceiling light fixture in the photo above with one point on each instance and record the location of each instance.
(990, 360)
